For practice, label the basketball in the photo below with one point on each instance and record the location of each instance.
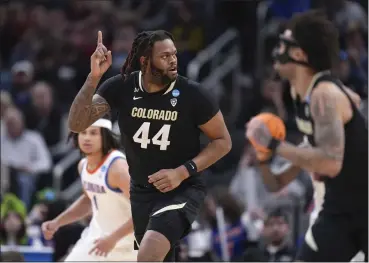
(275, 125)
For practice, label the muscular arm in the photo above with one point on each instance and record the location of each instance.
(326, 158)
(86, 107)
(77, 211)
(119, 178)
(354, 96)
(220, 144)
(275, 183)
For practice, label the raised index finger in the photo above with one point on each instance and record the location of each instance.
(99, 37)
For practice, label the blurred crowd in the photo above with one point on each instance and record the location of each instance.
(44, 59)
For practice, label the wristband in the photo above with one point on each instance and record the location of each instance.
(191, 167)
(267, 161)
(273, 145)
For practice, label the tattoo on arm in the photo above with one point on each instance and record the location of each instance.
(86, 108)
(329, 128)
(326, 158)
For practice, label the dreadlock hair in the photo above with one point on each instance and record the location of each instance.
(317, 37)
(142, 46)
(110, 141)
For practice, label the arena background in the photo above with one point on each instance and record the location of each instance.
(45, 47)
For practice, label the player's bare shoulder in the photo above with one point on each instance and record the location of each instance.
(334, 99)
(81, 163)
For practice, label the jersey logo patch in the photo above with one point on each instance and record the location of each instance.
(94, 188)
(173, 102)
(103, 168)
(136, 98)
(175, 93)
(137, 90)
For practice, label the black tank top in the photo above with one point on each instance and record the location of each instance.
(348, 191)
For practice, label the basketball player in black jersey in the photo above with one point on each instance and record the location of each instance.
(327, 115)
(161, 116)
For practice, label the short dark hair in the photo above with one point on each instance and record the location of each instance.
(142, 46)
(318, 37)
(277, 212)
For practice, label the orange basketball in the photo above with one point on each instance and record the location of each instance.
(275, 125)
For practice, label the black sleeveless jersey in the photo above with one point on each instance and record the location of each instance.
(348, 191)
(159, 130)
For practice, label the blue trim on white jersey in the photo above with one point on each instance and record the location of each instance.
(117, 190)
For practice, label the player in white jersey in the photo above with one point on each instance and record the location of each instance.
(106, 182)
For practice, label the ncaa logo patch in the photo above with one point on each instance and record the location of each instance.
(175, 93)
(173, 102)
(103, 168)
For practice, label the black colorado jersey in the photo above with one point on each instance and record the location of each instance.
(347, 192)
(159, 130)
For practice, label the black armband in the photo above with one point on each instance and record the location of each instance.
(273, 145)
(267, 161)
(191, 167)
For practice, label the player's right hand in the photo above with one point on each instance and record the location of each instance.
(49, 228)
(101, 59)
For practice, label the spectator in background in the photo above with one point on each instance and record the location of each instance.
(22, 78)
(351, 76)
(25, 153)
(272, 93)
(196, 247)
(358, 58)
(45, 61)
(40, 210)
(275, 245)
(10, 202)
(343, 68)
(69, 75)
(5, 103)
(187, 30)
(343, 12)
(38, 215)
(42, 114)
(122, 43)
(235, 230)
(4, 180)
(13, 229)
(12, 256)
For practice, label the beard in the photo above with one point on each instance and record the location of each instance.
(159, 77)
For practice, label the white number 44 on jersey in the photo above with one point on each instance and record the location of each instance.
(161, 137)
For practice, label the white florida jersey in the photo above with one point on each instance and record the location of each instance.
(110, 207)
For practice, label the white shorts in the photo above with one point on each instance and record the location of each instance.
(80, 252)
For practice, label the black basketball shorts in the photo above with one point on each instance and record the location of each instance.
(335, 238)
(170, 214)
